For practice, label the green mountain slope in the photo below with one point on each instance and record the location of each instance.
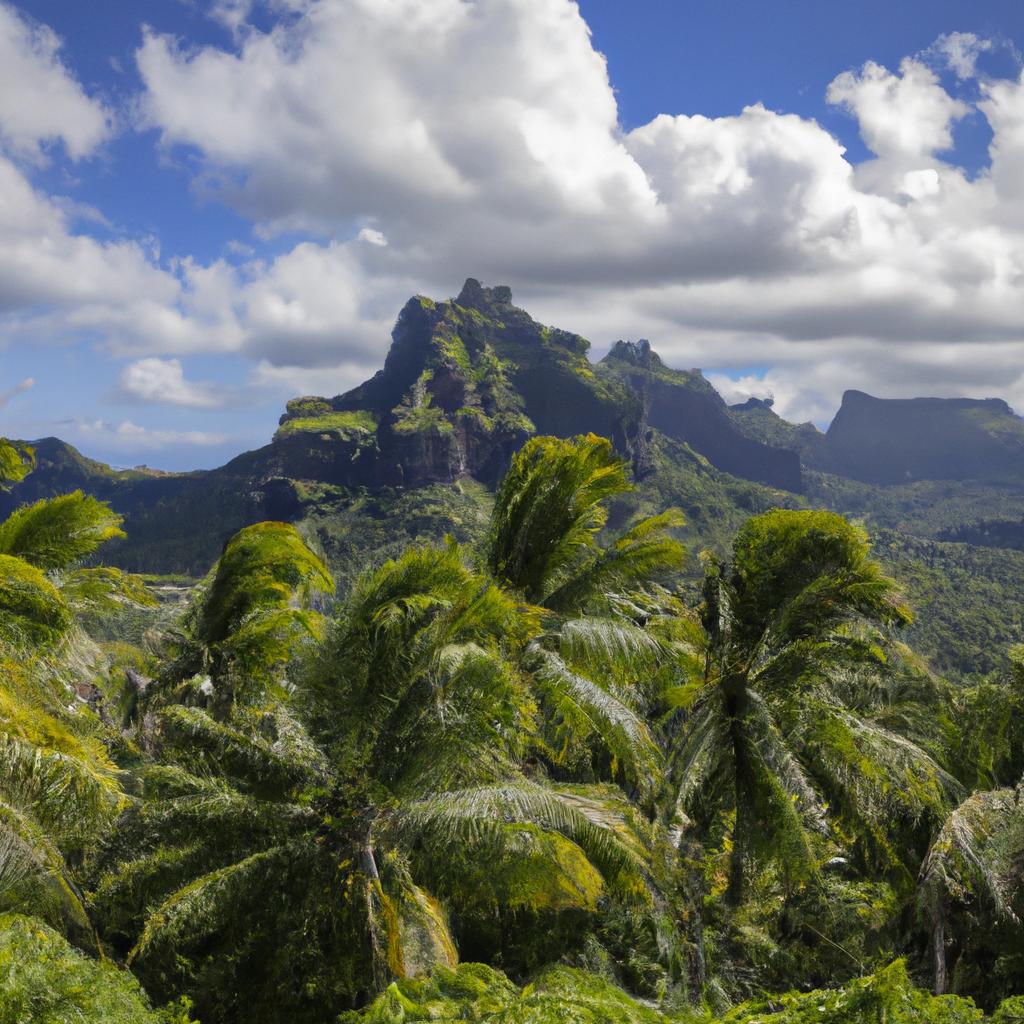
(413, 454)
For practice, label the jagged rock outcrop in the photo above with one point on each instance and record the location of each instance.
(686, 407)
(464, 384)
(898, 440)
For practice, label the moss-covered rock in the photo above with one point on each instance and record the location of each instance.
(327, 421)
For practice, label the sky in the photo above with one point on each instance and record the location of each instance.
(210, 206)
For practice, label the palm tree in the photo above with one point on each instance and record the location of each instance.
(249, 618)
(548, 512)
(976, 862)
(42, 582)
(593, 660)
(766, 734)
(394, 770)
(59, 789)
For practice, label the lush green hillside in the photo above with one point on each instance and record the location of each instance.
(555, 768)
(415, 452)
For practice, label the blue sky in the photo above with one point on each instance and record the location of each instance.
(225, 203)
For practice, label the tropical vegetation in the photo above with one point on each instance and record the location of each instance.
(538, 777)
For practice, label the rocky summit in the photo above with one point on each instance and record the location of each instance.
(468, 380)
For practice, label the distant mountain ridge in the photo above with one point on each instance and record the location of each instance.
(466, 381)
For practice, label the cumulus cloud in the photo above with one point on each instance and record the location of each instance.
(40, 100)
(961, 51)
(907, 115)
(57, 284)
(486, 141)
(162, 381)
(489, 144)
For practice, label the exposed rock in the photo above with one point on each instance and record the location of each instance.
(686, 407)
(897, 440)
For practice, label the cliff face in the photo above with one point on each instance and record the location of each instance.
(465, 383)
(889, 441)
(684, 406)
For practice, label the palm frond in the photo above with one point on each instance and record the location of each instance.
(55, 532)
(960, 864)
(583, 707)
(203, 907)
(643, 556)
(27, 852)
(238, 754)
(474, 818)
(33, 614)
(548, 509)
(104, 589)
(608, 646)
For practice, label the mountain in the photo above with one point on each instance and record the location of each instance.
(888, 441)
(464, 384)
(414, 453)
(468, 380)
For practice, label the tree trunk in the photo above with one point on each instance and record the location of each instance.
(939, 951)
(736, 702)
(370, 862)
(700, 967)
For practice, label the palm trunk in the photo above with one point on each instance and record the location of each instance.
(700, 967)
(737, 699)
(370, 862)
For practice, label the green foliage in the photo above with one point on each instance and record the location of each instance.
(54, 533)
(16, 461)
(548, 511)
(47, 981)
(33, 615)
(326, 421)
(767, 733)
(887, 996)
(253, 613)
(549, 508)
(477, 992)
(535, 754)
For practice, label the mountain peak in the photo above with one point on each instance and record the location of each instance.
(475, 296)
(636, 353)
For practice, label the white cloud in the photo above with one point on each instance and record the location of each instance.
(129, 436)
(11, 393)
(485, 140)
(961, 51)
(40, 101)
(162, 381)
(58, 285)
(906, 116)
(372, 236)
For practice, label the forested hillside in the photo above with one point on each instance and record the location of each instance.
(415, 453)
(556, 767)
